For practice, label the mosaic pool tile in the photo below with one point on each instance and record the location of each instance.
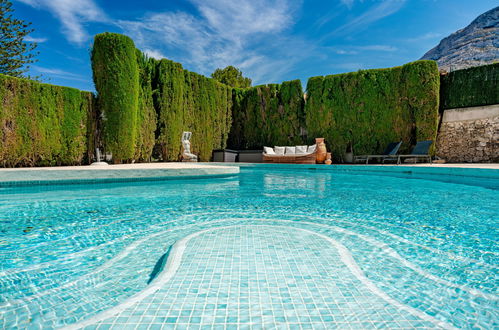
(262, 276)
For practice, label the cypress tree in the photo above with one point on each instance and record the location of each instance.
(116, 78)
(15, 53)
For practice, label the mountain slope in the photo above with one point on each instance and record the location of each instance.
(477, 44)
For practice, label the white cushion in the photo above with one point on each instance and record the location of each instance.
(279, 150)
(290, 150)
(312, 148)
(301, 149)
(269, 150)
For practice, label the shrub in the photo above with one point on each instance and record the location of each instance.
(366, 110)
(43, 124)
(116, 78)
(146, 116)
(187, 101)
(470, 87)
(267, 115)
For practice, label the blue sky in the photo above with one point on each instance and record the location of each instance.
(270, 41)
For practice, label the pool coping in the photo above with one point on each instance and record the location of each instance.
(461, 170)
(112, 173)
(173, 171)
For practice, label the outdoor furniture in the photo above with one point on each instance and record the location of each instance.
(250, 156)
(225, 155)
(289, 155)
(187, 156)
(420, 151)
(390, 150)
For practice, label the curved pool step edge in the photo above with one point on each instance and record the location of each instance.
(111, 174)
(174, 260)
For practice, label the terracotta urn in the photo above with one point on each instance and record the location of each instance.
(321, 150)
(328, 160)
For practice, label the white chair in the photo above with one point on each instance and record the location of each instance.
(187, 156)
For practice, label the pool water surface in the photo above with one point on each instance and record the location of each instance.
(267, 249)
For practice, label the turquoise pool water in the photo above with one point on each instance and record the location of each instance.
(269, 248)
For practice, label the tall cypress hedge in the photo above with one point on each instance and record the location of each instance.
(146, 114)
(116, 78)
(366, 110)
(470, 87)
(187, 101)
(144, 105)
(42, 124)
(267, 115)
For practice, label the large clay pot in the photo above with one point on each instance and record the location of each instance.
(328, 160)
(321, 150)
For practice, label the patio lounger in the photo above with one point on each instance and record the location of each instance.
(420, 151)
(390, 150)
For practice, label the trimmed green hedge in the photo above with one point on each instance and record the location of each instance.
(144, 104)
(43, 125)
(470, 87)
(267, 115)
(147, 104)
(116, 78)
(187, 101)
(366, 110)
(146, 117)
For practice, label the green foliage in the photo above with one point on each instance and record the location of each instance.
(423, 90)
(186, 101)
(116, 78)
(146, 118)
(145, 104)
(231, 76)
(15, 53)
(366, 110)
(267, 115)
(42, 125)
(470, 87)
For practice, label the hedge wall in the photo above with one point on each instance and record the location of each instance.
(267, 115)
(366, 110)
(116, 78)
(148, 103)
(470, 87)
(187, 101)
(146, 114)
(143, 105)
(43, 125)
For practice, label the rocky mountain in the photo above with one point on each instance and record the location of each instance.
(477, 44)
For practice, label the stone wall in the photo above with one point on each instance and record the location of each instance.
(469, 135)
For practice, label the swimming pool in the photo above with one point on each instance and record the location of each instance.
(274, 247)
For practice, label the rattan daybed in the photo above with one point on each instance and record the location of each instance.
(296, 158)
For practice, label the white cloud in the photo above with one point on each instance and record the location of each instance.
(154, 53)
(245, 17)
(50, 72)
(37, 40)
(249, 34)
(348, 3)
(355, 50)
(426, 36)
(73, 15)
(346, 52)
(374, 14)
(378, 48)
